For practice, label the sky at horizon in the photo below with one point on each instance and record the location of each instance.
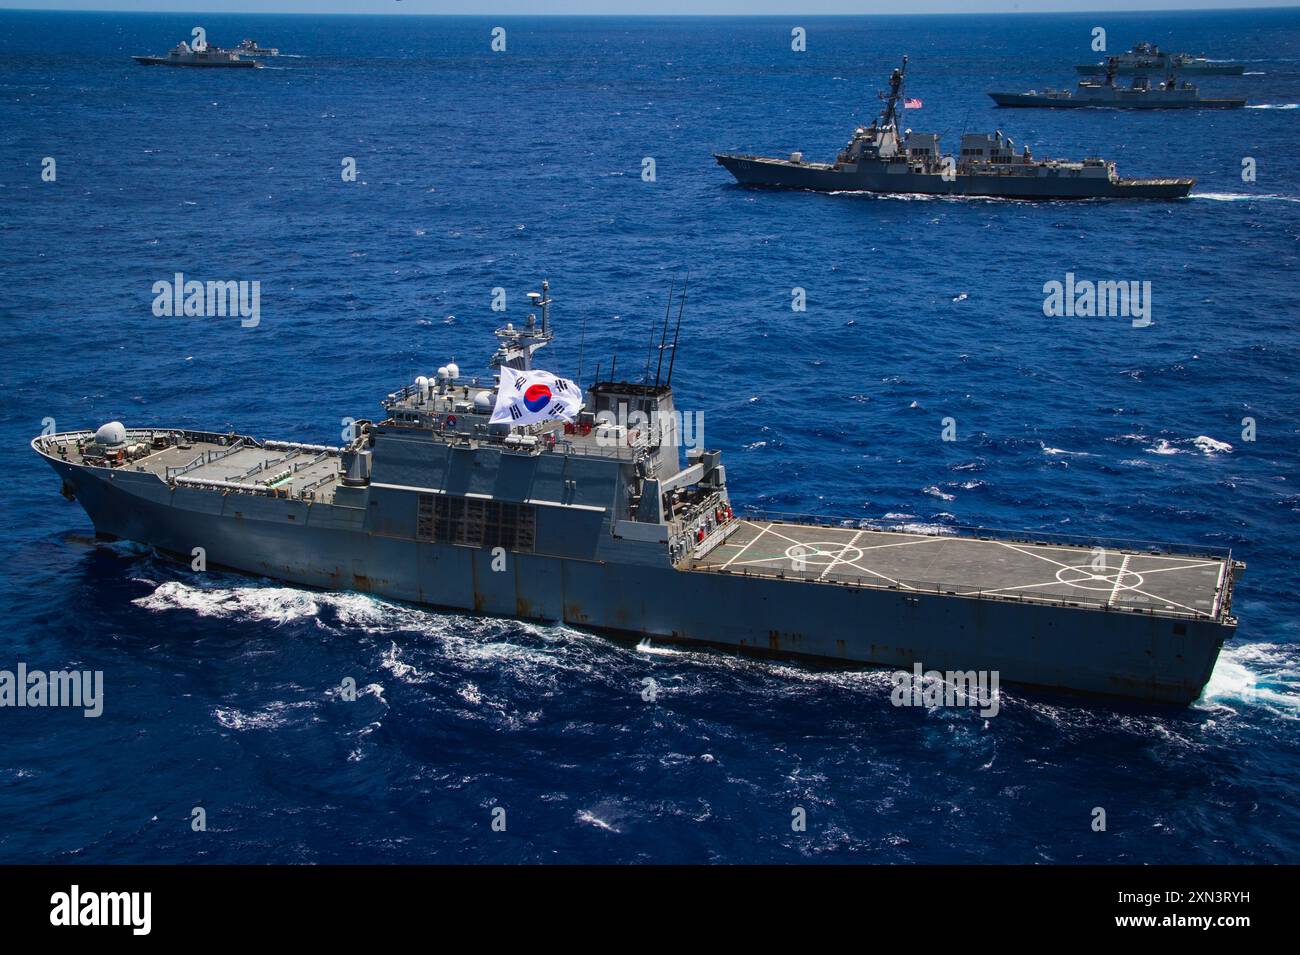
(803, 8)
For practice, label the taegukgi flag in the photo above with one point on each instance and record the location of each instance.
(535, 395)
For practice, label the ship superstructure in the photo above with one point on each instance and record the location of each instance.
(602, 522)
(882, 158)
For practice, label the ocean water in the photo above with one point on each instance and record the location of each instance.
(479, 169)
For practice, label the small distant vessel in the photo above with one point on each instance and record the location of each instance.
(1090, 94)
(1149, 59)
(182, 54)
(250, 48)
(882, 159)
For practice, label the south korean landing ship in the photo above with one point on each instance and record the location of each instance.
(522, 494)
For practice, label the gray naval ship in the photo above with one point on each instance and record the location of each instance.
(250, 48)
(1169, 93)
(880, 159)
(597, 522)
(1150, 59)
(182, 54)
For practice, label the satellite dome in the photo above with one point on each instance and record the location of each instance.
(422, 383)
(484, 402)
(111, 434)
(453, 370)
(442, 372)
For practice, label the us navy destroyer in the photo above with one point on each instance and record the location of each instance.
(881, 159)
(589, 516)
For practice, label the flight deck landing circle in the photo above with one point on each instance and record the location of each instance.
(823, 553)
(1108, 579)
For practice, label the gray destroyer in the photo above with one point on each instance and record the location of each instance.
(599, 523)
(880, 159)
(1147, 58)
(182, 54)
(1170, 93)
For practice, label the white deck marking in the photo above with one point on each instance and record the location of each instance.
(746, 547)
(1165, 570)
(1119, 577)
(909, 543)
(1171, 603)
(843, 550)
(1009, 587)
(761, 560)
(1032, 554)
(790, 539)
(868, 570)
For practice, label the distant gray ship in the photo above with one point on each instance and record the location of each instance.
(250, 48)
(1149, 59)
(880, 159)
(595, 521)
(1167, 94)
(182, 54)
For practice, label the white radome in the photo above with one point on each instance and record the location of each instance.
(453, 370)
(111, 434)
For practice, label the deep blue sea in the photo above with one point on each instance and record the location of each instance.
(479, 169)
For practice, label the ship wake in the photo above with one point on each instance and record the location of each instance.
(1256, 675)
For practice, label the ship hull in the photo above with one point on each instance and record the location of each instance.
(780, 174)
(209, 64)
(1201, 69)
(1032, 101)
(629, 589)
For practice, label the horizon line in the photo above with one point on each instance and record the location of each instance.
(1283, 5)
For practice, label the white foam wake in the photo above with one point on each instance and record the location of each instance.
(1243, 197)
(1257, 674)
(275, 605)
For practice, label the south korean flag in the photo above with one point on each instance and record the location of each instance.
(535, 395)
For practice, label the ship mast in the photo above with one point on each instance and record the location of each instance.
(890, 115)
(518, 344)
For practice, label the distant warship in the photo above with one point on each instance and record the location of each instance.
(182, 54)
(1168, 94)
(1148, 58)
(250, 48)
(881, 159)
(521, 494)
